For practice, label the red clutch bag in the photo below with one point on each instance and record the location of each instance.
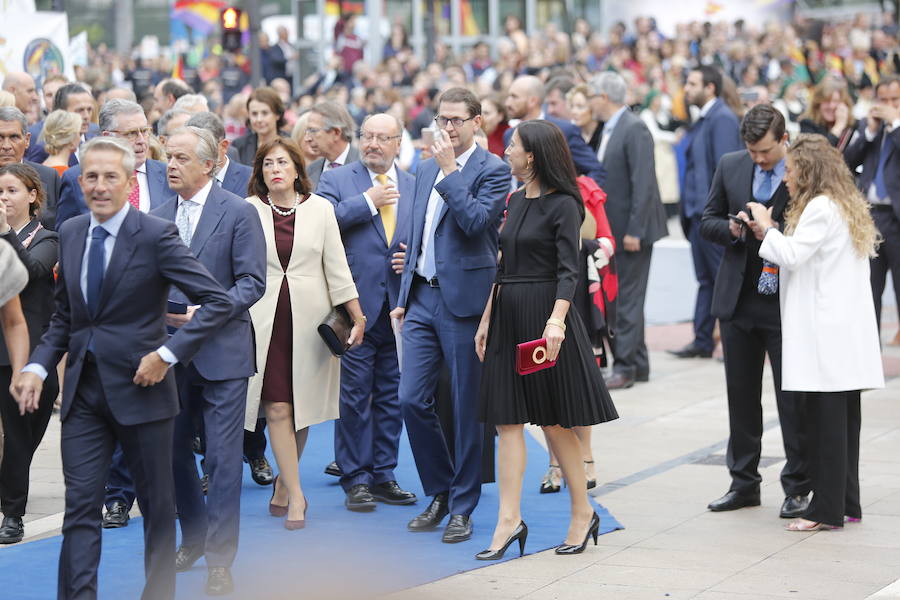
(532, 357)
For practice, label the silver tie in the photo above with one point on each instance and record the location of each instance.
(183, 221)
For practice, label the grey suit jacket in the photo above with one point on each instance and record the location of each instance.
(314, 169)
(633, 205)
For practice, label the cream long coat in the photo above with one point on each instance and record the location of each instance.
(318, 279)
(829, 337)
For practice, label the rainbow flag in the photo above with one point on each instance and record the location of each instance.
(468, 24)
(203, 15)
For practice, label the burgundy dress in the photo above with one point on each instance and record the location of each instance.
(277, 379)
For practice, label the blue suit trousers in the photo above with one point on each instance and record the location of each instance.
(432, 335)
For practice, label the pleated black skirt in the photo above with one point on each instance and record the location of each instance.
(569, 394)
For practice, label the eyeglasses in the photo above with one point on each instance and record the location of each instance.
(455, 121)
(313, 130)
(366, 137)
(132, 134)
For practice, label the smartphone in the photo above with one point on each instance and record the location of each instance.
(736, 219)
(428, 136)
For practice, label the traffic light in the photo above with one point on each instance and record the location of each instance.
(230, 20)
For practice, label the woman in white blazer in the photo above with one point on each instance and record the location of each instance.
(829, 338)
(298, 380)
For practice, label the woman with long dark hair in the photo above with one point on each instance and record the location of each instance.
(531, 299)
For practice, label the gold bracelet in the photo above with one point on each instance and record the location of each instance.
(557, 322)
(362, 318)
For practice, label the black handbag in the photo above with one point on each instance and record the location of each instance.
(335, 330)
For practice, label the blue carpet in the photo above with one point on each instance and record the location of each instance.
(340, 553)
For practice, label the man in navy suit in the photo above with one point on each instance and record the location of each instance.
(74, 98)
(876, 146)
(450, 267)
(715, 134)
(115, 269)
(524, 102)
(124, 119)
(224, 232)
(373, 205)
(235, 178)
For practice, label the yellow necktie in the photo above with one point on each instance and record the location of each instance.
(388, 213)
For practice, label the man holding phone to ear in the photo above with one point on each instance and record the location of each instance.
(745, 300)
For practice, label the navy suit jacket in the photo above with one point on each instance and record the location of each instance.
(583, 156)
(860, 151)
(147, 258)
(228, 240)
(237, 179)
(71, 200)
(368, 253)
(467, 233)
(713, 136)
(36, 151)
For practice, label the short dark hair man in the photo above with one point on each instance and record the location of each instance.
(749, 314)
(714, 134)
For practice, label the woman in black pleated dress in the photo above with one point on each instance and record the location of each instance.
(531, 300)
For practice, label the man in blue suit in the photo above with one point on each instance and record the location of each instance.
(716, 133)
(124, 119)
(524, 102)
(450, 267)
(235, 178)
(373, 204)
(75, 98)
(224, 232)
(116, 266)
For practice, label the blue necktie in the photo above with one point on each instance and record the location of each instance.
(764, 190)
(96, 260)
(880, 186)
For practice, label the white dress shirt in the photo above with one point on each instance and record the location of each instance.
(220, 175)
(143, 189)
(431, 213)
(341, 159)
(196, 209)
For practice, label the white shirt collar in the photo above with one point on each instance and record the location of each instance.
(391, 174)
(142, 168)
(200, 197)
(342, 157)
(220, 176)
(112, 224)
(463, 158)
(707, 107)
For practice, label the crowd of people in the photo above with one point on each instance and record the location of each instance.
(476, 233)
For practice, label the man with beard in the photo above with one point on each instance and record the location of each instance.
(373, 205)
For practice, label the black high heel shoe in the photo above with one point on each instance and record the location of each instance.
(521, 534)
(593, 531)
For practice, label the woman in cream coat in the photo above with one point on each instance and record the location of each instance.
(829, 338)
(298, 380)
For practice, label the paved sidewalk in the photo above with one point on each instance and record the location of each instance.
(663, 461)
(658, 466)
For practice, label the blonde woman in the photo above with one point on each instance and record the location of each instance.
(830, 113)
(830, 346)
(61, 135)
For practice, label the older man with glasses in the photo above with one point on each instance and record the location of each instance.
(329, 132)
(373, 204)
(126, 120)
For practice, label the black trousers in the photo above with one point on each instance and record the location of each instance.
(746, 343)
(888, 258)
(629, 347)
(833, 423)
(89, 435)
(22, 436)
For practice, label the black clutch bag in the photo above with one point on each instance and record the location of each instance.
(335, 330)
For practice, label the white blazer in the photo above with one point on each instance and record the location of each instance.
(829, 336)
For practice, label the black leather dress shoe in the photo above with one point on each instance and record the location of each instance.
(359, 498)
(733, 501)
(261, 470)
(794, 506)
(432, 516)
(186, 556)
(333, 469)
(390, 492)
(618, 381)
(116, 516)
(219, 581)
(459, 529)
(12, 530)
(691, 351)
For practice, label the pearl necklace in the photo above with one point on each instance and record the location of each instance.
(289, 212)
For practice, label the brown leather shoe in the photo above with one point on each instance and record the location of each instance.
(619, 381)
